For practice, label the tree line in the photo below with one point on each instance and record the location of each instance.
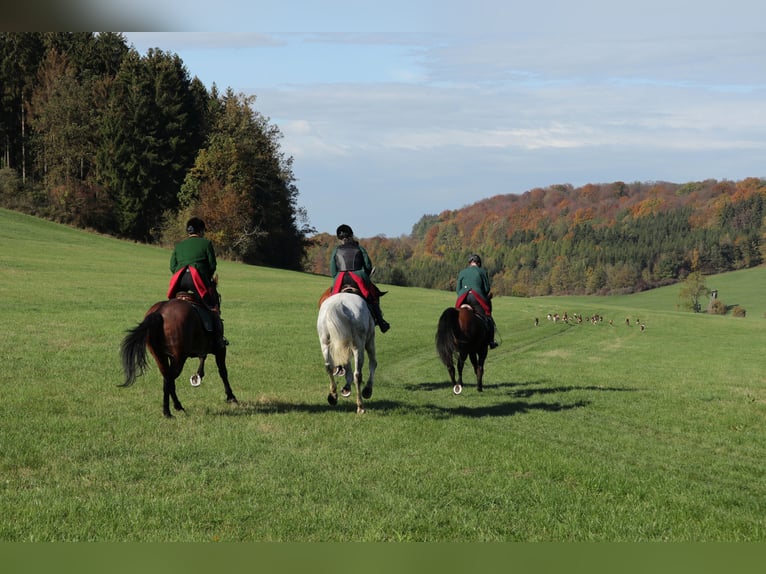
(95, 135)
(596, 239)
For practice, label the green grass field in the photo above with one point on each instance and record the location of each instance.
(584, 432)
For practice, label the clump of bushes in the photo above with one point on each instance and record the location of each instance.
(717, 307)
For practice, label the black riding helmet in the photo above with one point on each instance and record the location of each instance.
(474, 259)
(195, 226)
(344, 232)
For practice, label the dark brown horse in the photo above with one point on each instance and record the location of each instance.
(173, 331)
(464, 333)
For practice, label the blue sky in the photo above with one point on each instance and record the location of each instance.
(399, 109)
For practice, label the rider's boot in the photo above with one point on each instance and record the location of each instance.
(220, 340)
(377, 314)
(215, 310)
(492, 343)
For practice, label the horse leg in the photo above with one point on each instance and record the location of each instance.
(220, 361)
(479, 377)
(175, 370)
(478, 370)
(460, 364)
(196, 378)
(348, 374)
(170, 371)
(169, 388)
(332, 397)
(373, 361)
(358, 364)
(457, 385)
(169, 392)
(451, 372)
(166, 397)
(457, 389)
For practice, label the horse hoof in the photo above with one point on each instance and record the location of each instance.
(232, 400)
(457, 389)
(195, 380)
(359, 411)
(346, 391)
(366, 392)
(480, 388)
(332, 399)
(339, 371)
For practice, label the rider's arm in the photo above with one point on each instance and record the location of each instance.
(485, 282)
(211, 260)
(367, 262)
(333, 265)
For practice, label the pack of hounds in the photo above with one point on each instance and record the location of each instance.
(595, 319)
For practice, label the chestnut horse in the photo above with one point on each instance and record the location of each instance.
(464, 333)
(173, 331)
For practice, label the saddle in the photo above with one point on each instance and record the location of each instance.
(351, 289)
(204, 312)
(347, 288)
(189, 297)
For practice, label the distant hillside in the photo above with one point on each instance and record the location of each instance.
(596, 239)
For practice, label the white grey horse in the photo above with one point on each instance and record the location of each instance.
(346, 330)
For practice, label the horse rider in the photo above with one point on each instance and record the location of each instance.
(193, 264)
(350, 264)
(474, 289)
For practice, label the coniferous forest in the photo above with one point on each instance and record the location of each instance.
(94, 135)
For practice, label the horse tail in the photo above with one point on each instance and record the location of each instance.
(446, 335)
(133, 350)
(341, 337)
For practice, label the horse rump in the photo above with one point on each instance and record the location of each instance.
(336, 331)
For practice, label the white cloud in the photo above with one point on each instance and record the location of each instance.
(390, 120)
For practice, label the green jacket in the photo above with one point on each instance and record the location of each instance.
(475, 278)
(197, 252)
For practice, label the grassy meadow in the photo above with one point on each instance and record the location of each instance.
(584, 432)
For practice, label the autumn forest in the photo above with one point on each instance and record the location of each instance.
(96, 136)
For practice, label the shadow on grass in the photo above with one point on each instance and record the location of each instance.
(504, 409)
(525, 389)
(387, 406)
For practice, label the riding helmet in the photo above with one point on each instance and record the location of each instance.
(195, 226)
(474, 259)
(344, 232)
